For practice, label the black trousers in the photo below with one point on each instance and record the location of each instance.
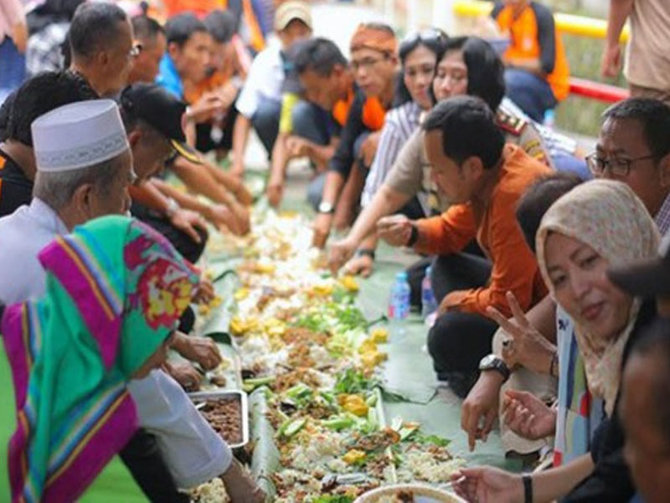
(458, 341)
(144, 460)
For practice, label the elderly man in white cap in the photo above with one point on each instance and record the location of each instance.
(84, 168)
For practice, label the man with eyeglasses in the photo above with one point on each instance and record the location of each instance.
(374, 62)
(633, 148)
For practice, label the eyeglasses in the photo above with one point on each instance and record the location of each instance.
(617, 167)
(367, 63)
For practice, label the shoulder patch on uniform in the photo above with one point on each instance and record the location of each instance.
(510, 123)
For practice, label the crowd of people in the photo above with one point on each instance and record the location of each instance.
(550, 268)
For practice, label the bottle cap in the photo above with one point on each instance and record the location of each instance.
(401, 276)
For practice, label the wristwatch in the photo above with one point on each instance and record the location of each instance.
(326, 207)
(172, 207)
(493, 362)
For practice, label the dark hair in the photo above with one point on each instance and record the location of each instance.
(180, 28)
(40, 95)
(318, 55)
(375, 25)
(655, 342)
(221, 25)
(146, 28)
(486, 72)
(654, 115)
(538, 198)
(95, 27)
(468, 129)
(434, 40)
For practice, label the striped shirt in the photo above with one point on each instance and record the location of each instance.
(662, 218)
(400, 123)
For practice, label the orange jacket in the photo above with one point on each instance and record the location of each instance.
(515, 268)
(533, 35)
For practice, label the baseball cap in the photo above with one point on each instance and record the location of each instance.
(162, 111)
(288, 11)
(646, 278)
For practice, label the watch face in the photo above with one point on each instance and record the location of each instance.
(487, 361)
(325, 207)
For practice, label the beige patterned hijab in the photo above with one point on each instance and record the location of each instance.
(609, 217)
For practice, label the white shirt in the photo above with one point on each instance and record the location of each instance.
(265, 79)
(192, 450)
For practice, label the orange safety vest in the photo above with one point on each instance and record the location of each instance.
(199, 7)
(523, 32)
(373, 111)
(257, 41)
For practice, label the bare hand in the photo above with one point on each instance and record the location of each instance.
(223, 218)
(206, 108)
(227, 94)
(361, 265)
(339, 253)
(187, 221)
(275, 192)
(369, 148)
(202, 350)
(527, 416)
(20, 37)
(240, 486)
(321, 228)
(395, 229)
(480, 407)
(205, 291)
(184, 373)
(525, 345)
(610, 66)
(297, 146)
(243, 218)
(242, 194)
(488, 485)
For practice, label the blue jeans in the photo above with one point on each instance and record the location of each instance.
(533, 94)
(12, 68)
(312, 123)
(266, 122)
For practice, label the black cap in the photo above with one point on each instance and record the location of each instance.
(647, 278)
(162, 111)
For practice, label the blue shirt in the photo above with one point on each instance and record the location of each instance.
(169, 78)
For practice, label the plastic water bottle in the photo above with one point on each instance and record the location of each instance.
(549, 118)
(399, 303)
(428, 302)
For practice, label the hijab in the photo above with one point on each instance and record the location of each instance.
(609, 217)
(115, 290)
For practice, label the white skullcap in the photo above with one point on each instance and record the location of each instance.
(78, 135)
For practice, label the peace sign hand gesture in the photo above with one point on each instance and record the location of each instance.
(525, 345)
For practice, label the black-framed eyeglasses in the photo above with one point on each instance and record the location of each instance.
(617, 167)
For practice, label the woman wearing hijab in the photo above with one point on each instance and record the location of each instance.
(595, 225)
(115, 291)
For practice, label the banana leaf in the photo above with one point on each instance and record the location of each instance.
(265, 458)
